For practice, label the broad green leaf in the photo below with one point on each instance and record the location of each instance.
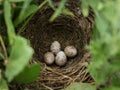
(116, 56)
(100, 6)
(58, 10)
(96, 34)
(115, 79)
(106, 48)
(3, 84)
(80, 86)
(8, 21)
(16, 0)
(112, 88)
(101, 24)
(29, 74)
(100, 72)
(19, 57)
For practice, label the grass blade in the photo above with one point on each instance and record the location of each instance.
(58, 11)
(8, 21)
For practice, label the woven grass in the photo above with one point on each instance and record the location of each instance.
(67, 30)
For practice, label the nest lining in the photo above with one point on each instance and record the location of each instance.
(67, 30)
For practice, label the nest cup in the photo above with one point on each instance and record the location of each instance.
(67, 30)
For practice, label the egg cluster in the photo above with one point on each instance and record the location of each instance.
(58, 56)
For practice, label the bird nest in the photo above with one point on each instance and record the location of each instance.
(75, 30)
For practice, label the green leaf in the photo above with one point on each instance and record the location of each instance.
(112, 88)
(101, 24)
(29, 74)
(51, 4)
(58, 10)
(85, 8)
(93, 3)
(8, 21)
(100, 71)
(105, 49)
(30, 17)
(3, 84)
(16, 0)
(115, 78)
(42, 4)
(24, 7)
(80, 86)
(20, 55)
(30, 10)
(26, 11)
(25, 23)
(67, 12)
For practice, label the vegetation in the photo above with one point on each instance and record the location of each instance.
(104, 46)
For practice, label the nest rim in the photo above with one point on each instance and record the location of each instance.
(75, 70)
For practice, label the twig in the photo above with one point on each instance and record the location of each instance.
(65, 76)
(4, 50)
(46, 87)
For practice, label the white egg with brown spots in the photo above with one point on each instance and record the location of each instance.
(70, 51)
(49, 58)
(60, 58)
(55, 47)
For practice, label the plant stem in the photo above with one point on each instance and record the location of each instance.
(4, 50)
